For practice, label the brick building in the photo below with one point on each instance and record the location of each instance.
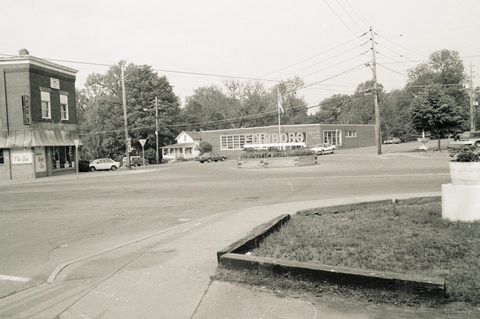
(230, 142)
(38, 123)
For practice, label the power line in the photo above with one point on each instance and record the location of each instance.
(339, 17)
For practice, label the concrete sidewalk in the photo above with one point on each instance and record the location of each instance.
(169, 276)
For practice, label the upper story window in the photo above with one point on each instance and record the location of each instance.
(63, 107)
(46, 106)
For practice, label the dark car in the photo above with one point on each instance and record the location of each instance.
(210, 157)
(83, 166)
(393, 140)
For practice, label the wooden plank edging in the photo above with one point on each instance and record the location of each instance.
(233, 257)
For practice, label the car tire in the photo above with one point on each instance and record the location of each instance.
(477, 144)
(209, 160)
(92, 169)
(201, 162)
(223, 159)
(113, 168)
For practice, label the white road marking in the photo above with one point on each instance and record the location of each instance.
(13, 278)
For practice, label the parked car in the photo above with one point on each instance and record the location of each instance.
(210, 157)
(323, 148)
(103, 164)
(393, 140)
(134, 161)
(83, 166)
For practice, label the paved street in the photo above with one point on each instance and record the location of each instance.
(52, 227)
(49, 221)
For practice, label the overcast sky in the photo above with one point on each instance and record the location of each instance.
(198, 43)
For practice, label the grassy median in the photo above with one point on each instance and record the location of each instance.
(407, 237)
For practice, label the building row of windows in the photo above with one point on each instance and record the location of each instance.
(47, 107)
(237, 141)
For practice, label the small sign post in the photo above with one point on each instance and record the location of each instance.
(142, 141)
(76, 156)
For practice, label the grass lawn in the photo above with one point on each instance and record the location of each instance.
(410, 237)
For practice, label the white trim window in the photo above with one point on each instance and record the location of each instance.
(63, 107)
(46, 106)
(351, 134)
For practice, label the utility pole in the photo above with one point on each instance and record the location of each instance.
(124, 99)
(473, 111)
(156, 128)
(378, 137)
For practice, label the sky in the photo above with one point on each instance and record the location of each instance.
(197, 43)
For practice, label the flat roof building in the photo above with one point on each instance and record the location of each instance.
(38, 121)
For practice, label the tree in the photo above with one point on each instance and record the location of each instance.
(436, 112)
(205, 147)
(444, 68)
(333, 110)
(102, 124)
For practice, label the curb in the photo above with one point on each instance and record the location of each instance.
(234, 257)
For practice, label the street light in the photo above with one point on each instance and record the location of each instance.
(156, 127)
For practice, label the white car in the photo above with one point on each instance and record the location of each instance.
(105, 164)
(321, 149)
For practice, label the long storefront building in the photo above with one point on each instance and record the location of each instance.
(231, 142)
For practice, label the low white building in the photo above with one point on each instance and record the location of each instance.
(185, 148)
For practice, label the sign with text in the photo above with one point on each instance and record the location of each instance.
(40, 159)
(21, 157)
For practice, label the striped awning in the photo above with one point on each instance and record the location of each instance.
(30, 138)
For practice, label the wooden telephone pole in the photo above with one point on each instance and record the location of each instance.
(378, 136)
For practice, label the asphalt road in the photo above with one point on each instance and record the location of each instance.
(48, 221)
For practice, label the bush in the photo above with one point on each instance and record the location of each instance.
(274, 152)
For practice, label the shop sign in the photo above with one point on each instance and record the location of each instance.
(40, 159)
(21, 157)
(267, 138)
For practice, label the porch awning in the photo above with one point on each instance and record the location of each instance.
(180, 145)
(30, 138)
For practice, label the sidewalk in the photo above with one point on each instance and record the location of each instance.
(169, 276)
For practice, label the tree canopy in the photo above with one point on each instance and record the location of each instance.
(102, 125)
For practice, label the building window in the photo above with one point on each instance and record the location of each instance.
(234, 142)
(351, 134)
(46, 110)
(64, 107)
(332, 137)
(2, 160)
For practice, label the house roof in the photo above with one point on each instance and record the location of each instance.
(193, 134)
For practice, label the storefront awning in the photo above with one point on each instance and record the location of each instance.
(30, 138)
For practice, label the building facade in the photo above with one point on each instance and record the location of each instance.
(38, 123)
(230, 142)
(185, 148)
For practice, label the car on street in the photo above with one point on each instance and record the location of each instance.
(393, 140)
(323, 148)
(210, 157)
(83, 166)
(103, 164)
(134, 161)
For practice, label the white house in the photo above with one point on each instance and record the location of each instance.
(186, 146)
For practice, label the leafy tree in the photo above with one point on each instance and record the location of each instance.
(102, 123)
(436, 112)
(205, 147)
(445, 68)
(333, 110)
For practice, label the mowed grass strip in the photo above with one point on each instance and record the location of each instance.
(408, 237)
